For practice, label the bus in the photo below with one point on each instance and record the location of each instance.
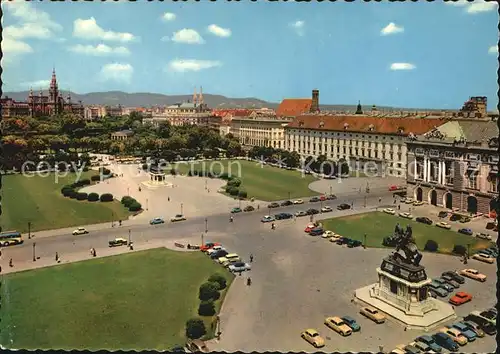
(10, 238)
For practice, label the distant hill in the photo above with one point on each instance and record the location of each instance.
(145, 99)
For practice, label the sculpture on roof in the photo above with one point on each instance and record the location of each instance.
(404, 242)
(435, 133)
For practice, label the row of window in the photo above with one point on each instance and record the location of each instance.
(339, 134)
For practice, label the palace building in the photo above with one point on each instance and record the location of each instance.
(42, 105)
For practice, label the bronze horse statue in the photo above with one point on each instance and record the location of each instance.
(405, 243)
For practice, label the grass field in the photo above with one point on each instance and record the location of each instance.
(135, 301)
(377, 225)
(39, 200)
(262, 183)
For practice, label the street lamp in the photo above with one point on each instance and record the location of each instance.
(147, 204)
(365, 201)
(364, 243)
(182, 207)
(34, 256)
(468, 251)
(129, 236)
(206, 225)
(128, 191)
(29, 229)
(331, 190)
(112, 219)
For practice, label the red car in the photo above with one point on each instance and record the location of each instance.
(460, 298)
(208, 246)
(310, 227)
(322, 198)
(393, 188)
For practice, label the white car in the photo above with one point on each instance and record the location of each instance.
(239, 267)
(326, 209)
(178, 217)
(214, 249)
(483, 236)
(389, 211)
(298, 201)
(406, 215)
(328, 234)
(443, 225)
(80, 231)
(409, 201)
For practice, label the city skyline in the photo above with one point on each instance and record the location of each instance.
(390, 56)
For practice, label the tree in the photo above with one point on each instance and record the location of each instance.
(206, 308)
(219, 279)
(164, 130)
(195, 328)
(208, 291)
(431, 246)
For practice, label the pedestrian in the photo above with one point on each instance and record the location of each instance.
(10, 263)
(57, 257)
(251, 258)
(258, 206)
(399, 206)
(379, 199)
(95, 253)
(208, 190)
(168, 198)
(91, 251)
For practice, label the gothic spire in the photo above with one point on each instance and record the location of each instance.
(359, 109)
(201, 95)
(195, 97)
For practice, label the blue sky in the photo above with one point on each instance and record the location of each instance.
(427, 55)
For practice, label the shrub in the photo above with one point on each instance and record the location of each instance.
(234, 191)
(209, 291)
(95, 178)
(224, 176)
(206, 308)
(72, 194)
(135, 206)
(195, 328)
(431, 246)
(81, 196)
(218, 279)
(459, 249)
(242, 194)
(234, 182)
(85, 169)
(106, 197)
(145, 166)
(85, 182)
(105, 172)
(173, 172)
(190, 173)
(127, 201)
(93, 197)
(67, 191)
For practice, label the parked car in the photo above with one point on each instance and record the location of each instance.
(249, 208)
(267, 218)
(483, 236)
(473, 274)
(351, 322)
(342, 240)
(460, 298)
(338, 325)
(465, 331)
(208, 246)
(464, 219)
(451, 282)
(491, 316)
(418, 203)
(197, 345)
(442, 214)
(214, 249)
(236, 210)
(331, 197)
(433, 294)
(373, 314)
(443, 225)
(301, 213)
(326, 209)
(316, 232)
(458, 278)
(273, 205)
(353, 243)
(239, 267)
(322, 198)
(118, 242)
(455, 335)
(312, 211)
(335, 238)
(286, 203)
(157, 221)
(429, 341)
(443, 284)
(486, 258)
(283, 216)
(455, 217)
(343, 206)
(298, 201)
(310, 226)
(410, 349)
(445, 341)
(178, 217)
(424, 220)
(389, 211)
(219, 254)
(406, 215)
(328, 234)
(465, 231)
(482, 323)
(312, 337)
(438, 289)
(314, 200)
(474, 327)
(80, 231)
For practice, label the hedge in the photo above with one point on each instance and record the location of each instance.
(127, 201)
(135, 206)
(459, 249)
(195, 328)
(234, 182)
(106, 197)
(209, 291)
(93, 197)
(206, 308)
(72, 194)
(233, 191)
(218, 279)
(242, 194)
(431, 246)
(95, 178)
(81, 196)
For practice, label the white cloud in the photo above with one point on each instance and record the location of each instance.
(117, 72)
(475, 7)
(188, 36)
(219, 31)
(402, 66)
(391, 28)
(298, 27)
(13, 47)
(168, 16)
(183, 65)
(89, 29)
(39, 84)
(493, 49)
(99, 50)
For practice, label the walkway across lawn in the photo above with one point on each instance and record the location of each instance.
(39, 200)
(261, 182)
(135, 301)
(377, 225)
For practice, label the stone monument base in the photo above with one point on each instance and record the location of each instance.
(155, 185)
(441, 312)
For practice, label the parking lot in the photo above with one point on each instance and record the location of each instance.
(299, 280)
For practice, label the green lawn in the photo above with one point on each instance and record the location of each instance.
(377, 225)
(138, 301)
(39, 200)
(263, 183)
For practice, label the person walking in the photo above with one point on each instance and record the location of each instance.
(10, 263)
(251, 258)
(57, 257)
(168, 198)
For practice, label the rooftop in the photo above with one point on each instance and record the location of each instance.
(291, 107)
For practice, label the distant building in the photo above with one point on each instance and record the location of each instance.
(94, 112)
(224, 128)
(259, 130)
(122, 135)
(455, 166)
(113, 111)
(41, 105)
(292, 107)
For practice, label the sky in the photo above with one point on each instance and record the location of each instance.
(414, 55)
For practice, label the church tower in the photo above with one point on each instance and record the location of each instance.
(359, 109)
(201, 95)
(54, 92)
(315, 101)
(195, 97)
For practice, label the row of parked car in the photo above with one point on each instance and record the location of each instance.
(285, 203)
(316, 229)
(231, 261)
(452, 337)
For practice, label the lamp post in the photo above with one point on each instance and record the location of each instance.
(239, 202)
(365, 201)
(128, 191)
(29, 229)
(364, 242)
(112, 219)
(206, 185)
(331, 190)
(468, 251)
(129, 236)
(147, 204)
(34, 255)
(182, 208)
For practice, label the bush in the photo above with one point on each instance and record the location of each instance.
(135, 206)
(459, 249)
(209, 291)
(234, 191)
(224, 176)
(190, 173)
(236, 182)
(93, 197)
(206, 308)
(72, 194)
(195, 328)
(67, 192)
(81, 196)
(218, 279)
(127, 201)
(95, 178)
(104, 171)
(173, 172)
(145, 166)
(106, 197)
(431, 246)
(85, 182)
(242, 194)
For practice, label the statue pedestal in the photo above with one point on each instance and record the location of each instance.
(401, 292)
